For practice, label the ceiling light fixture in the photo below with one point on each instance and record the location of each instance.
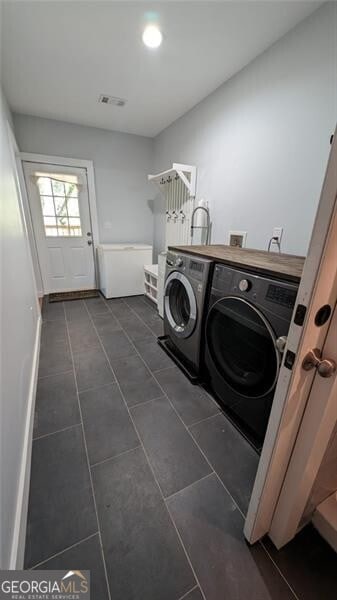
(152, 36)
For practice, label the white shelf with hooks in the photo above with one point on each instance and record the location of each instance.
(178, 186)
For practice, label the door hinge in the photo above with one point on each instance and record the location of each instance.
(289, 359)
(300, 314)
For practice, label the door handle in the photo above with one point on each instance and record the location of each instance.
(326, 367)
(89, 242)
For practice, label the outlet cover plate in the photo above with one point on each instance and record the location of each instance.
(237, 238)
(277, 233)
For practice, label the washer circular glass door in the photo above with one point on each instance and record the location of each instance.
(242, 346)
(180, 304)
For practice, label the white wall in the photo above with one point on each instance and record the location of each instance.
(261, 141)
(121, 162)
(19, 336)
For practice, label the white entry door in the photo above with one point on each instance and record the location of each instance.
(59, 204)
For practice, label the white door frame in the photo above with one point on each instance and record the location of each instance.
(28, 217)
(88, 165)
(293, 386)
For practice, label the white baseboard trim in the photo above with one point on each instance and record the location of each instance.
(19, 533)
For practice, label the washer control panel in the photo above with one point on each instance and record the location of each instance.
(192, 266)
(175, 260)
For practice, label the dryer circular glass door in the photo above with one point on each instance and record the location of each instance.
(180, 304)
(242, 346)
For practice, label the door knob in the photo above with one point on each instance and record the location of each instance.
(325, 367)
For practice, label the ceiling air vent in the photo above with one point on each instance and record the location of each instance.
(106, 99)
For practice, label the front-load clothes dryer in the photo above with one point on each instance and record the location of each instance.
(247, 322)
(185, 293)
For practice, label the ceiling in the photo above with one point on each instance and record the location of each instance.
(58, 57)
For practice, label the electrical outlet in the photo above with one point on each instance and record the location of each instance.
(277, 233)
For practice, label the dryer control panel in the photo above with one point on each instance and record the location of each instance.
(281, 295)
(274, 295)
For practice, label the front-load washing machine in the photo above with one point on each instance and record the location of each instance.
(185, 293)
(247, 322)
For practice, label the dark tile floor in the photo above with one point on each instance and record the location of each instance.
(138, 476)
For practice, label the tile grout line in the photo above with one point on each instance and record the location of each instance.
(206, 458)
(145, 401)
(55, 374)
(278, 569)
(205, 419)
(97, 387)
(186, 553)
(188, 486)
(64, 550)
(187, 593)
(105, 460)
(87, 457)
(164, 369)
(149, 464)
(40, 437)
(51, 320)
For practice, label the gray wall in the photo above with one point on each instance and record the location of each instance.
(261, 141)
(121, 161)
(19, 317)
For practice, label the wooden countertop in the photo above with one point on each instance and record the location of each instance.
(284, 266)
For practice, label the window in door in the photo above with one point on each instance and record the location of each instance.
(60, 204)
